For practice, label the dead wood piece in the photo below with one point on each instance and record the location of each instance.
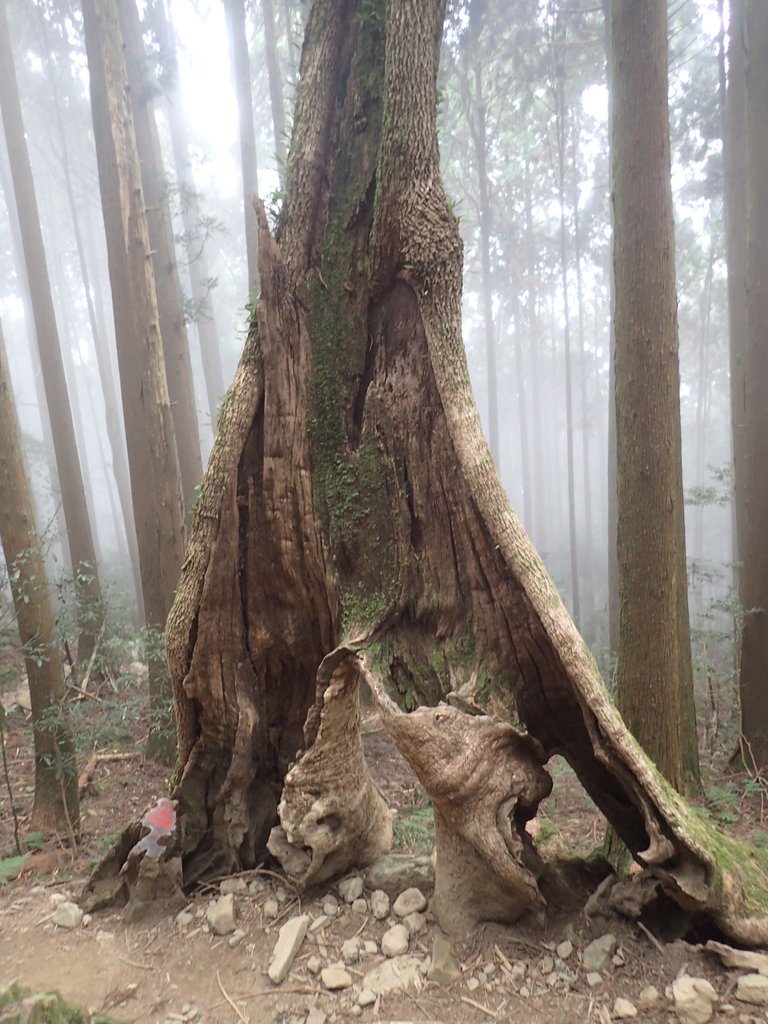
(330, 804)
(486, 781)
(86, 775)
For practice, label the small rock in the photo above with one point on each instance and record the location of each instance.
(393, 975)
(547, 965)
(221, 915)
(320, 922)
(335, 978)
(366, 998)
(350, 950)
(752, 988)
(314, 964)
(598, 953)
(360, 906)
(623, 1009)
(287, 946)
(87, 918)
(236, 938)
(56, 898)
(519, 969)
(379, 904)
(394, 942)
(233, 885)
(594, 978)
(316, 1016)
(350, 888)
(564, 949)
(415, 923)
(649, 998)
(489, 968)
(694, 999)
(740, 958)
(184, 919)
(399, 871)
(473, 984)
(355, 1010)
(330, 906)
(282, 895)
(444, 967)
(271, 908)
(525, 991)
(370, 947)
(68, 915)
(410, 901)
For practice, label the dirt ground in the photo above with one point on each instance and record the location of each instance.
(165, 972)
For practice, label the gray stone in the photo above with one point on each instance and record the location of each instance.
(415, 923)
(752, 988)
(410, 901)
(236, 938)
(233, 885)
(564, 949)
(444, 967)
(694, 999)
(473, 984)
(370, 947)
(598, 953)
(379, 904)
(623, 1009)
(330, 906)
(743, 959)
(360, 906)
(649, 998)
(397, 872)
(220, 915)
(184, 918)
(287, 946)
(68, 915)
(367, 998)
(335, 977)
(547, 965)
(316, 1016)
(594, 978)
(351, 888)
(394, 942)
(271, 908)
(350, 950)
(392, 975)
(319, 923)
(314, 964)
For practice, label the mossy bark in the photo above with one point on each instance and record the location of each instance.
(352, 525)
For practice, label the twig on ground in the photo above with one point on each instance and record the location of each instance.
(229, 999)
(478, 1006)
(651, 937)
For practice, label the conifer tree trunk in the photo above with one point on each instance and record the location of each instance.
(753, 575)
(56, 806)
(654, 676)
(170, 304)
(241, 70)
(153, 462)
(79, 531)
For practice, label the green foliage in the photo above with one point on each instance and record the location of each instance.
(18, 1005)
(414, 831)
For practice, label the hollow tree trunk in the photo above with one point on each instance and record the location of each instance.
(352, 524)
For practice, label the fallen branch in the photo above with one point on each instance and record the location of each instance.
(86, 775)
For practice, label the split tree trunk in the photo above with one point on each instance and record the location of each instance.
(352, 525)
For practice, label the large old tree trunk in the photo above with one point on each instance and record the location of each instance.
(351, 525)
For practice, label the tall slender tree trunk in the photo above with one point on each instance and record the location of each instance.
(81, 546)
(522, 413)
(153, 462)
(275, 83)
(752, 539)
(199, 274)
(56, 806)
(241, 70)
(540, 526)
(170, 304)
(561, 118)
(654, 672)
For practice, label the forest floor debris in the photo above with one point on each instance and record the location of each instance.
(363, 949)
